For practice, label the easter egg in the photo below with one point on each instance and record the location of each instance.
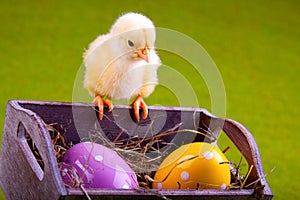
(193, 166)
(96, 166)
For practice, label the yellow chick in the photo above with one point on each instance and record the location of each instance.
(123, 63)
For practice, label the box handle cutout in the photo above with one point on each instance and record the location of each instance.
(31, 152)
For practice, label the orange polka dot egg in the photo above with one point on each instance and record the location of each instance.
(197, 165)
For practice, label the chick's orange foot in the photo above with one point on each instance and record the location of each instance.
(137, 104)
(100, 102)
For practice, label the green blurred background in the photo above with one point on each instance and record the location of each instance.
(255, 45)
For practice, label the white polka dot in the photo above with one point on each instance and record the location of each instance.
(223, 186)
(159, 186)
(64, 172)
(98, 158)
(208, 155)
(126, 186)
(184, 175)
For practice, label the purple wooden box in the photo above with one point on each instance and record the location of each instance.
(23, 178)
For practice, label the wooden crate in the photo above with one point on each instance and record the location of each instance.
(23, 178)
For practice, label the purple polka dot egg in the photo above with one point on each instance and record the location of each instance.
(96, 166)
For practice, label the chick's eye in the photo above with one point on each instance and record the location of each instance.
(130, 43)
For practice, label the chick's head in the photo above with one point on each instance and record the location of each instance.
(136, 35)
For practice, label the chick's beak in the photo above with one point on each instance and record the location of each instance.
(143, 54)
